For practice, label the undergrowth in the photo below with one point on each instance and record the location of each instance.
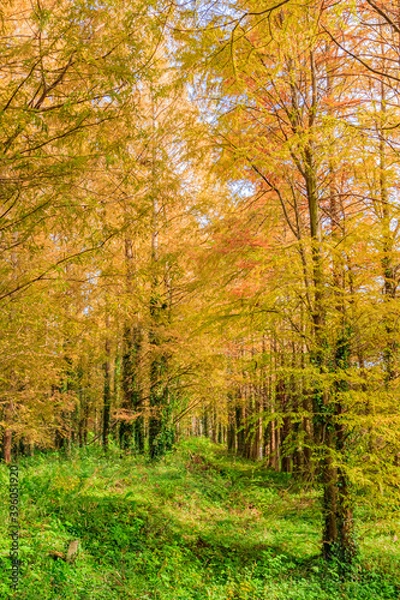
(197, 525)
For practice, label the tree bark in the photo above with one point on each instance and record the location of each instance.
(106, 392)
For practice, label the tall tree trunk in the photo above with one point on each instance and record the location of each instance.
(7, 434)
(106, 391)
(132, 427)
(337, 510)
(388, 271)
(161, 429)
(231, 422)
(131, 430)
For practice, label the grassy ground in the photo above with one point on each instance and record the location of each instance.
(199, 525)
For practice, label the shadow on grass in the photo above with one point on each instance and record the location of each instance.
(174, 530)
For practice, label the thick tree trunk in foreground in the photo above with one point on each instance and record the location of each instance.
(337, 510)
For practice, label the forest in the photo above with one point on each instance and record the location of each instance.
(200, 304)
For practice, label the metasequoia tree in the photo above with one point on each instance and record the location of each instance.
(68, 72)
(199, 234)
(295, 117)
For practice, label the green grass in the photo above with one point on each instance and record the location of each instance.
(198, 525)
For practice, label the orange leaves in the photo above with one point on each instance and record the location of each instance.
(332, 102)
(237, 240)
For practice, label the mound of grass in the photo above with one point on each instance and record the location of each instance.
(197, 525)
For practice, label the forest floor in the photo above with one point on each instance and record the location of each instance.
(198, 525)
